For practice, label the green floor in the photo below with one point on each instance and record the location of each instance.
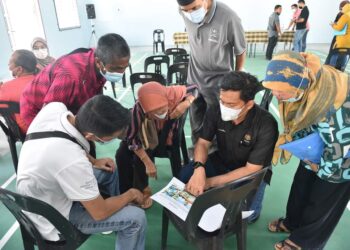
(258, 237)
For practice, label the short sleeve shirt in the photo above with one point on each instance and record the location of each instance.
(213, 44)
(251, 141)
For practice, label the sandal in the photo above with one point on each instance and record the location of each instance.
(277, 226)
(285, 245)
(147, 201)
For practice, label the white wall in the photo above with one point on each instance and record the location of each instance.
(136, 19)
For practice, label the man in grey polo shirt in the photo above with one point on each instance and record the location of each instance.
(273, 30)
(215, 35)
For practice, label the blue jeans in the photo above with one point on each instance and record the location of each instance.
(212, 170)
(303, 46)
(129, 223)
(339, 61)
(298, 40)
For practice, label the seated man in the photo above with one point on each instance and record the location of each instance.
(22, 65)
(246, 135)
(76, 77)
(56, 168)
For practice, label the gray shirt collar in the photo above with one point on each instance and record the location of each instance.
(211, 13)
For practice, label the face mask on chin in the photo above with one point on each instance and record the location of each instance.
(229, 114)
(196, 16)
(294, 99)
(161, 116)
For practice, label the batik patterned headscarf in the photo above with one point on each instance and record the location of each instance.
(324, 91)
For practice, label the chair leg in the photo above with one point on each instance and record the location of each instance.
(175, 161)
(28, 243)
(165, 225)
(113, 88)
(13, 150)
(242, 235)
(184, 149)
(124, 81)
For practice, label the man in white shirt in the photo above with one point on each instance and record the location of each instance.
(54, 166)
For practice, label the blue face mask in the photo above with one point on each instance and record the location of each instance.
(111, 76)
(196, 16)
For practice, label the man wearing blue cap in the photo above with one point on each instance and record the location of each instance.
(215, 35)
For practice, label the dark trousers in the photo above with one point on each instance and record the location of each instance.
(331, 52)
(271, 46)
(314, 208)
(197, 112)
(131, 170)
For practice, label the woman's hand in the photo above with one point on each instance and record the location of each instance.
(151, 169)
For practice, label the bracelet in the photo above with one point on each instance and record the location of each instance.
(198, 164)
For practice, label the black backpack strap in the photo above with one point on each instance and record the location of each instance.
(50, 134)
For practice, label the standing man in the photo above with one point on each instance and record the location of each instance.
(301, 29)
(215, 35)
(76, 77)
(274, 30)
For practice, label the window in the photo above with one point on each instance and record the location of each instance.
(67, 14)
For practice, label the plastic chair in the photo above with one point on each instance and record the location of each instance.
(11, 129)
(72, 238)
(340, 58)
(174, 52)
(158, 38)
(145, 77)
(180, 70)
(266, 99)
(157, 61)
(232, 196)
(181, 58)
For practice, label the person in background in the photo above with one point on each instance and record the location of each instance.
(300, 23)
(22, 65)
(159, 106)
(41, 52)
(330, 53)
(274, 30)
(216, 29)
(338, 60)
(312, 99)
(76, 77)
(56, 168)
(246, 136)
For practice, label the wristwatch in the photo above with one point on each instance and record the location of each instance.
(198, 164)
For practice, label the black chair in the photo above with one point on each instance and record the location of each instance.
(174, 52)
(124, 81)
(72, 238)
(157, 61)
(173, 152)
(232, 196)
(158, 38)
(181, 58)
(145, 77)
(180, 70)
(266, 99)
(11, 129)
(340, 58)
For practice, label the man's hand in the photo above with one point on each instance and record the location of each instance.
(106, 164)
(197, 182)
(135, 196)
(180, 109)
(151, 169)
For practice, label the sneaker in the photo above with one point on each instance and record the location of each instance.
(107, 232)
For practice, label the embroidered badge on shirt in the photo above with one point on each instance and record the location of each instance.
(214, 35)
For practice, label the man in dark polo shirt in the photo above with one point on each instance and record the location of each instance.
(246, 135)
(215, 36)
(301, 30)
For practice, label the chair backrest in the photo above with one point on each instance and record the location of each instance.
(180, 70)
(266, 99)
(175, 51)
(145, 77)
(231, 196)
(157, 61)
(181, 58)
(158, 35)
(16, 204)
(11, 129)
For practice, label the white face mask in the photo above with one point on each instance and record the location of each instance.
(41, 53)
(111, 76)
(294, 99)
(161, 116)
(196, 16)
(229, 114)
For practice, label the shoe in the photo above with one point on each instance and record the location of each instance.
(252, 221)
(107, 232)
